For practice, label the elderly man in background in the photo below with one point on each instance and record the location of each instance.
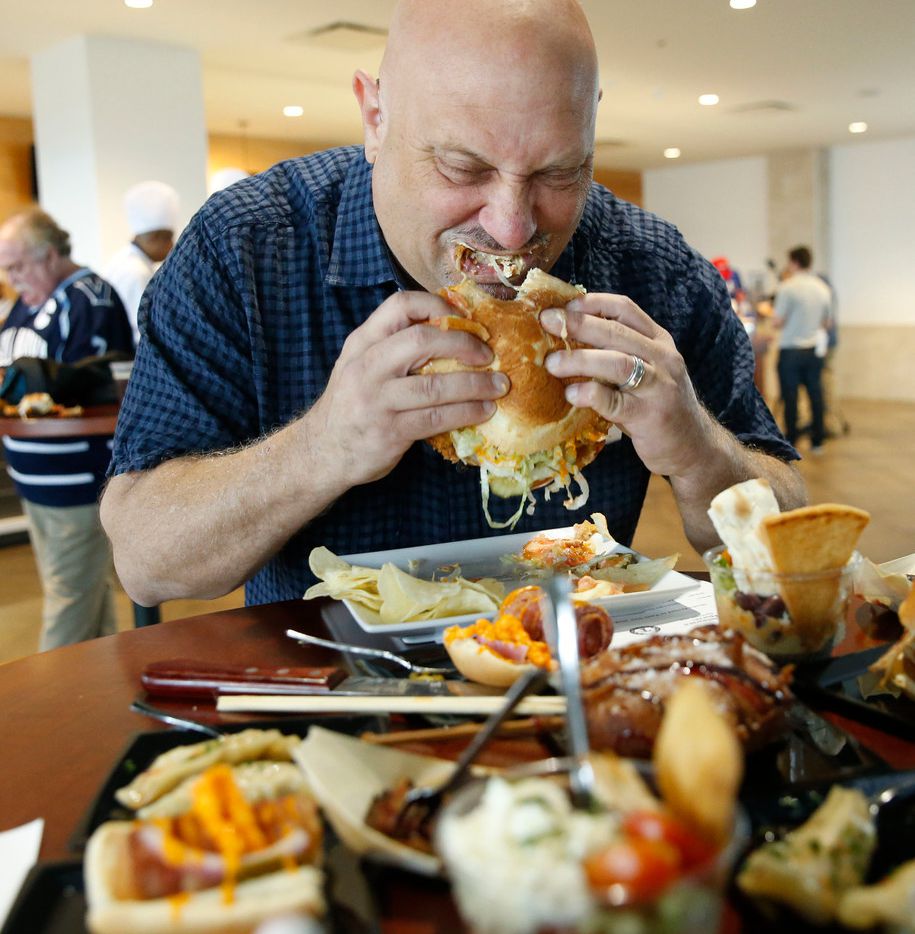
(64, 312)
(152, 216)
(275, 403)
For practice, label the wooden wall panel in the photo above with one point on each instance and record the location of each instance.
(15, 165)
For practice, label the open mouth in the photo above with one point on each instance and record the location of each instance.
(480, 265)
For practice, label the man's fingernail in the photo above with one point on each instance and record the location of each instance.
(552, 363)
(551, 318)
(572, 393)
(500, 381)
(489, 408)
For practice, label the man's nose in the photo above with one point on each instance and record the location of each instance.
(508, 216)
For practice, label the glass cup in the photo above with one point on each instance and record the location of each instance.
(790, 617)
(500, 891)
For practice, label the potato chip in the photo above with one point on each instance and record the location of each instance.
(397, 596)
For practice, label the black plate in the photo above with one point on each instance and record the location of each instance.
(777, 814)
(144, 747)
(51, 901)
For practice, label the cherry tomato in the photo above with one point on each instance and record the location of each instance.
(692, 849)
(641, 869)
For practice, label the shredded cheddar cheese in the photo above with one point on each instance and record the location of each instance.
(504, 628)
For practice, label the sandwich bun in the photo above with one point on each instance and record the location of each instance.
(497, 653)
(534, 416)
(110, 880)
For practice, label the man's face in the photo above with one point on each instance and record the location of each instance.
(28, 269)
(500, 166)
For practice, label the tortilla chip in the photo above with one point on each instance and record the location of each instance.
(813, 538)
(810, 540)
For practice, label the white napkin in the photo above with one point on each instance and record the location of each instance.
(18, 853)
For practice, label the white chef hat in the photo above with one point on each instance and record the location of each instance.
(222, 178)
(151, 206)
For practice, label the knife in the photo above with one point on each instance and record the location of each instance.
(186, 678)
(834, 671)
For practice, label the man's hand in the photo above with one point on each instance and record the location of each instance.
(668, 426)
(671, 431)
(376, 405)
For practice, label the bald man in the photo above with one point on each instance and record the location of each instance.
(273, 408)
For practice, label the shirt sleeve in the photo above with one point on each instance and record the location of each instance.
(721, 362)
(190, 389)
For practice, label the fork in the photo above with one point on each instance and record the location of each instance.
(171, 719)
(420, 804)
(559, 617)
(364, 650)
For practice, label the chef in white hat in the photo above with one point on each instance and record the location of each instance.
(152, 216)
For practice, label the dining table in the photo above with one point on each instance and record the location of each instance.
(67, 721)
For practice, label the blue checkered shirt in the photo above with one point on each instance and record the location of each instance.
(243, 323)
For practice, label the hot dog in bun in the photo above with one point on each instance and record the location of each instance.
(535, 438)
(224, 865)
(498, 652)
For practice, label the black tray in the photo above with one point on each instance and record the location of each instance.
(887, 713)
(777, 814)
(144, 747)
(52, 899)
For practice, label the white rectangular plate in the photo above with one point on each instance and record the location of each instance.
(481, 557)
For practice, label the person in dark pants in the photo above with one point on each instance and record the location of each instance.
(803, 305)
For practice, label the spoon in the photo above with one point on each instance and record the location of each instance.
(420, 804)
(363, 650)
(559, 618)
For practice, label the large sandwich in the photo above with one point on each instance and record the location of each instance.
(535, 438)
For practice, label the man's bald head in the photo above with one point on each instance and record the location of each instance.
(525, 45)
(481, 133)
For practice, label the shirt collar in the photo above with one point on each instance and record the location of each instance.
(359, 256)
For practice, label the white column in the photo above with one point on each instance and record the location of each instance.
(109, 113)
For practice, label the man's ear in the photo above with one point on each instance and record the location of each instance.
(367, 94)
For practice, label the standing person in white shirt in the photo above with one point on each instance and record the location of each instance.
(152, 215)
(803, 306)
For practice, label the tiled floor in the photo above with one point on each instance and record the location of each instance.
(871, 467)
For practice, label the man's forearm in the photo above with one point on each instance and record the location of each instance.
(200, 526)
(729, 462)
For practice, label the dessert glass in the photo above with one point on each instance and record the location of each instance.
(790, 617)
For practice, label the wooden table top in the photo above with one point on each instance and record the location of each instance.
(67, 721)
(95, 420)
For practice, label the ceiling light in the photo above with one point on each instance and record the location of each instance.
(138, 4)
(742, 4)
(672, 153)
(859, 126)
(293, 110)
(708, 100)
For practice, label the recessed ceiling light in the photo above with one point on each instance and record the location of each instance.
(293, 110)
(672, 153)
(708, 100)
(742, 4)
(138, 4)
(859, 126)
